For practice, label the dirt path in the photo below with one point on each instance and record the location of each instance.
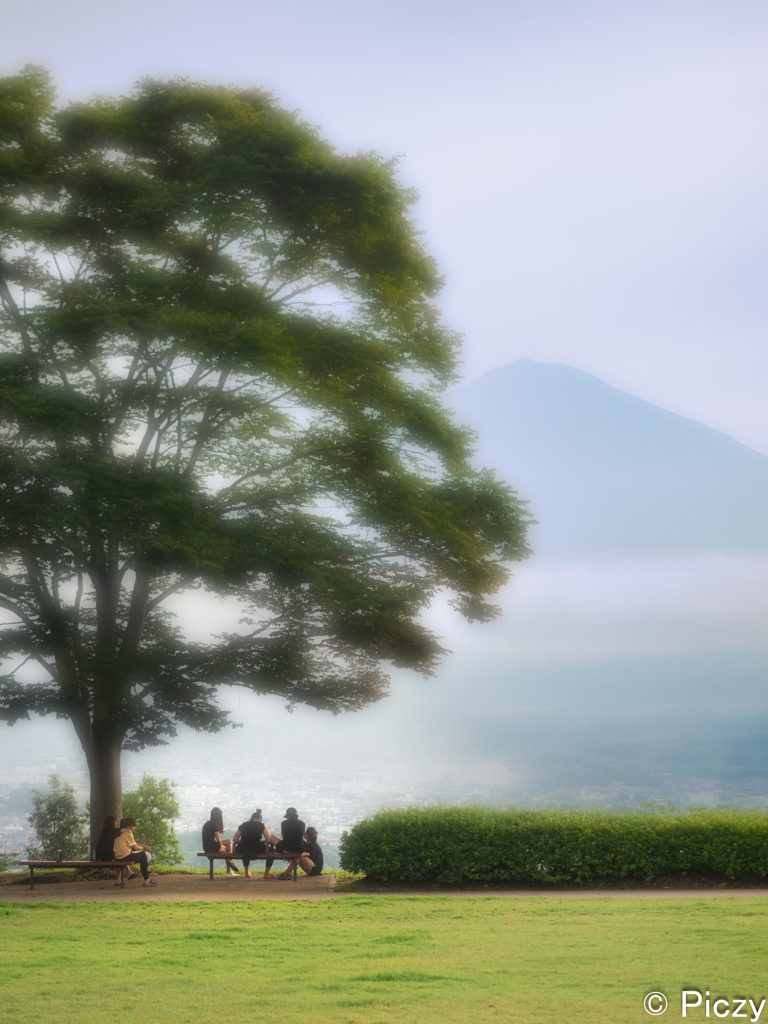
(175, 888)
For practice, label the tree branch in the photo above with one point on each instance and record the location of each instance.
(9, 303)
(206, 422)
(155, 601)
(29, 622)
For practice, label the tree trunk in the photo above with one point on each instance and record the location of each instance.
(103, 756)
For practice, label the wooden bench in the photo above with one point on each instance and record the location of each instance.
(294, 858)
(82, 865)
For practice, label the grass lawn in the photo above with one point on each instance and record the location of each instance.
(378, 958)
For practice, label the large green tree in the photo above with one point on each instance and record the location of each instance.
(221, 371)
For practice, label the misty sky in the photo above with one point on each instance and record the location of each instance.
(592, 179)
(592, 173)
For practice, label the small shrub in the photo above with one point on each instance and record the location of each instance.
(459, 844)
(58, 823)
(7, 861)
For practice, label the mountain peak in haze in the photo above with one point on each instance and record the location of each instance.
(606, 471)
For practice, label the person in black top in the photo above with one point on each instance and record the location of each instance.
(312, 861)
(292, 829)
(251, 838)
(105, 847)
(212, 841)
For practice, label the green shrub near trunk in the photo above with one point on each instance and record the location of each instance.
(457, 844)
(154, 805)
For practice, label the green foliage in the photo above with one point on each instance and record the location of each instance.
(155, 808)
(220, 370)
(58, 823)
(457, 844)
(7, 860)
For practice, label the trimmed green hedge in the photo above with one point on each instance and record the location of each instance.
(458, 844)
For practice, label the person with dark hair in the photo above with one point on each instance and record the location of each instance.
(212, 841)
(312, 861)
(292, 830)
(126, 848)
(252, 838)
(105, 847)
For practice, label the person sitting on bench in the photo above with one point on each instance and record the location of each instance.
(252, 838)
(212, 841)
(292, 829)
(126, 848)
(105, 847)
(312, 861)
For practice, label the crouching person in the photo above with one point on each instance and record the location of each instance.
(312, 861)
(127, 849)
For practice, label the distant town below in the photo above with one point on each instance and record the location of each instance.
(618, 775)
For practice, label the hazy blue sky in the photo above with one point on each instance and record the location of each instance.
(592, 173)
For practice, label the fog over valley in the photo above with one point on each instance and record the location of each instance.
(624, 668)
